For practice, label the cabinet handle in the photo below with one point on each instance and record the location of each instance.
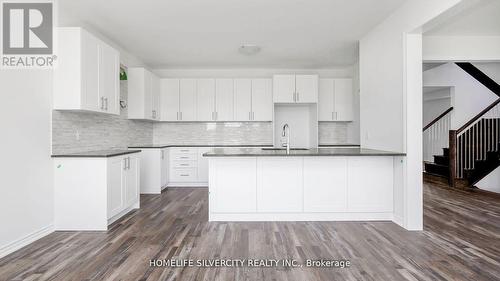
(124, 163)
(184, 150)
(184, 157)
(128, 163)
(184, 175)
(184, 164)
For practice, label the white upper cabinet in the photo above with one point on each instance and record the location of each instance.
(88, 73)
(343, 100)
(224, 100)
(253, 100)
(206, 100)
(295, 88)
(284, 88)
(242, 99)
(169, 99)
(143, 94)
(306, 88)
(187, 100)
(335, 100)
(262, 100)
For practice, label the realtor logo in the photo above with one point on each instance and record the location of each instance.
(27, 34)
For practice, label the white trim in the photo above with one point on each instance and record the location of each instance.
(187, 184)
(301, 217)
(26, 240)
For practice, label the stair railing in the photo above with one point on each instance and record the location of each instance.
(473, 140)
(435, 135)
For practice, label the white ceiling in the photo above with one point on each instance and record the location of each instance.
(482, 19)
(204, 33)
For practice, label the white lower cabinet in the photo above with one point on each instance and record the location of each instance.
(154, 170)
(234, 184)
(370, 184)
(279, 184)
(301, 188)
(325, 184)
(91, 193)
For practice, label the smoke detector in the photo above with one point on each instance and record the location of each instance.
(249, 50)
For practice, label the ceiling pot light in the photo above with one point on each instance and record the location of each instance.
(249, 50)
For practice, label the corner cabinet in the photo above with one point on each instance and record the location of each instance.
(295, 88)
(91, 193)
(335, 100)
(87, 74)
(143, 95)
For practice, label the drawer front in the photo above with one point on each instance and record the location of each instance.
(184, 164)
(184, 157)
(184, 150)
(184, 175)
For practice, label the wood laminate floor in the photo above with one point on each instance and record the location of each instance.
(461, 241)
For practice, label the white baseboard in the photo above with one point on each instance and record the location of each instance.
(187, 184)
(28, 239)
(300, 217)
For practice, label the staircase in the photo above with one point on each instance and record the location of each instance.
(465, 156)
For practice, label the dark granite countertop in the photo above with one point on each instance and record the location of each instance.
(255, 152)
(197, 145)
(97, 153)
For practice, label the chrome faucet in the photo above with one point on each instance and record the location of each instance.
(286, 134)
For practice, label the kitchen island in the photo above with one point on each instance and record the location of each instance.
(319, 184)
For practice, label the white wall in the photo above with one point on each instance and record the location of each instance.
(434, 107)
(26, 180)
(391, 95)
(492, 69)
(491, 182)
(461, 48)
(469, 96)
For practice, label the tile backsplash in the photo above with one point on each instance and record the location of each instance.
(236, 133)
(332, 133)
(87, 131)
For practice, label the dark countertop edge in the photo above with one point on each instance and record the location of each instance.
(302, 155)
(338, 145)
(96, 155)
(201, 145)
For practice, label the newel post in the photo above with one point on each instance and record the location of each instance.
(453, 157)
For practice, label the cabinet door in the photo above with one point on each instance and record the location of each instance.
(262, 100)
(109, 78)
(325, 184)
(224, 100)
(306, 87)
(90, 73)
(131, 175)
(373, 192)
(203, 164)
(155, 97)
(164, 167)
(187, 100)
(148, 95)
(233, 185)
(343, 99)
(279, 184)
(169, 99)
(326, 100)
(115, 186)
(206, 100)
(284, 88)
(242, 99)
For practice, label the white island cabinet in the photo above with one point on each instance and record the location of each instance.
(266, 187)
(92, 190)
